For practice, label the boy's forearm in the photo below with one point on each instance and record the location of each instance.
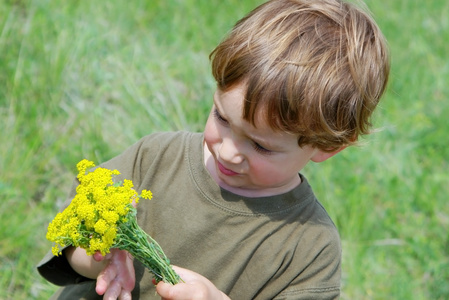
(84, 264)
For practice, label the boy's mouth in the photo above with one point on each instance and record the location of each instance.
(225, 170)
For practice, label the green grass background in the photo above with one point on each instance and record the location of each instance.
(86, 79)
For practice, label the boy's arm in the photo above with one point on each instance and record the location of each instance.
(83, 264)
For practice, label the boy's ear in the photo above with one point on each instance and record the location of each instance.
(321, 155)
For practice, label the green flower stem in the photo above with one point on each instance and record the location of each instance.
(144, 248)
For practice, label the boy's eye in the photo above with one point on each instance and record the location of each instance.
(261, 149)
(256, 145)
(219, 117)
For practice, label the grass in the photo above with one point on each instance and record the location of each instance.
(81, 79)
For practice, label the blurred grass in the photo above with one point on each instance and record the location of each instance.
(85, 79)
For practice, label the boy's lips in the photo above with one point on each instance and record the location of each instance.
(225, 170)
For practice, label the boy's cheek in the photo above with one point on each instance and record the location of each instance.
(211, 133)
(208, 135)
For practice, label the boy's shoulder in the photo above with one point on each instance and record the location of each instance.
(168, 138)
(165, 142)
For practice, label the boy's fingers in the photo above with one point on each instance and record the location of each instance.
(125, 295)
(113, 292)
(117, 280)
(97, 256)
(168, 291)
(104, 280)
(185, 274)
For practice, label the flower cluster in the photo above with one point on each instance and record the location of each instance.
(102, 216)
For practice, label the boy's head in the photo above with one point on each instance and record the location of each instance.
(315, 68)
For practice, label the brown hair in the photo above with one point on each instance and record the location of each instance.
(315, 68)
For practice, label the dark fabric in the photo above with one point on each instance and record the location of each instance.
(58, 271)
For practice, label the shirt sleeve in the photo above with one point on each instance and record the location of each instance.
(320, 280)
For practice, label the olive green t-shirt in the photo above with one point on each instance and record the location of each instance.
(278, 247)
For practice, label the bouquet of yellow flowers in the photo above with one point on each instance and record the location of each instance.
(102, 216)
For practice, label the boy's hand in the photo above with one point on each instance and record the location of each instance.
(117, 279)
(195, 287)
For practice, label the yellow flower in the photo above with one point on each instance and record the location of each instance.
(55, 250)
(96, 244)
(101, 217)
(99, 207)
(110, 216)
(110, 235)
(82, 166)
(101, 226)
(146, 194)
(127, 184)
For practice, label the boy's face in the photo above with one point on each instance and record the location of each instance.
(247, 160)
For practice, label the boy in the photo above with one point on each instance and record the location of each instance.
(297, 81)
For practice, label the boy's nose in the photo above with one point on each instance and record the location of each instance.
(229, 151)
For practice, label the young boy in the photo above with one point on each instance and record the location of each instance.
(297, 81)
